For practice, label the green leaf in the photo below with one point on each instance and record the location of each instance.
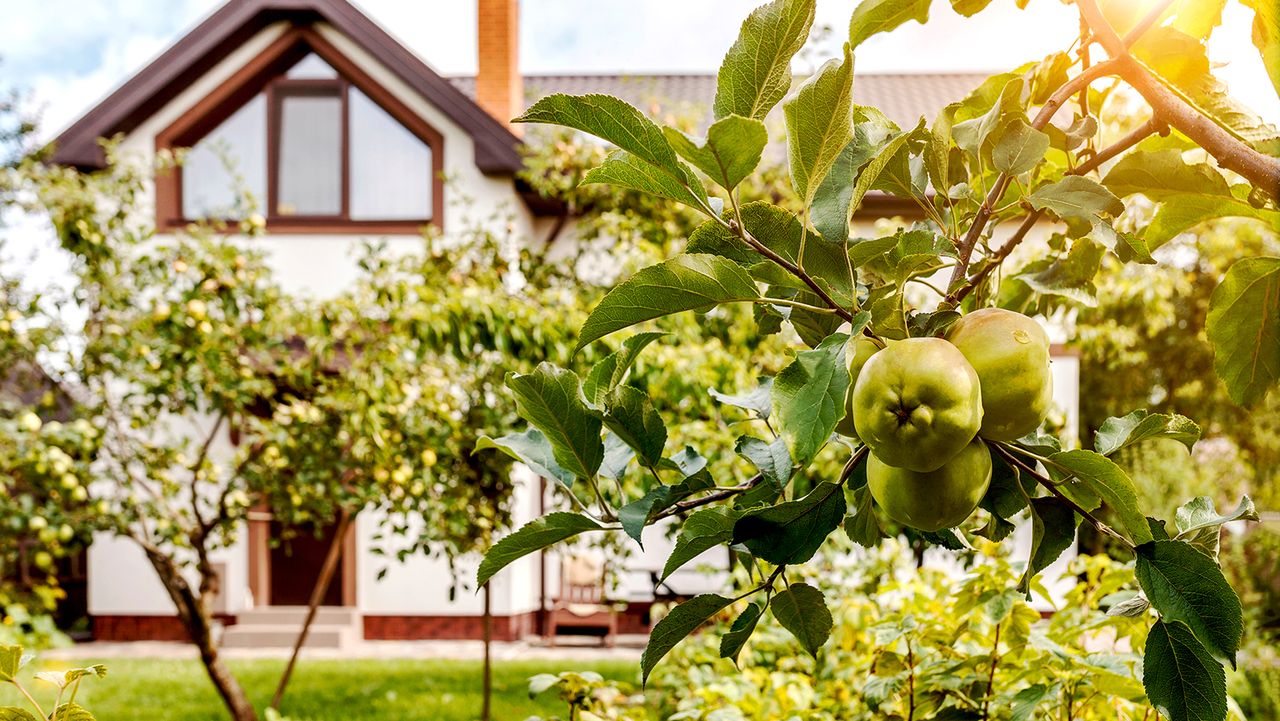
(771, 459)
(832, 205)
(969, 8)
(1069, 277)
(610, 371)
(916, 252)
(975, 134)
(611, 119)
(11, 661)
(530, 448)
(881, 16)
(731, 150)
(551, 400)
(1181, 213)
(819, 124)
(1266, 36)
(1053, 530)
(1110, 482)
(617, 456)
(627, 171)
(1200, 524)
(1162, 174)
(808, 397)
(73, 712)
(1025, 701)
(1182, 679)
(862, 526)
(681, 621)
(792, 532)
(1186, 586)
(744, 625)
(635, 515)
(1076, 197)
(756, 72)
(1116, 433)
(685, 282)
(802, 610)
(870, 172)
(14, 713)
(702, 531)
(758, 400)
(1018, 147)
(1244, 327)
(533, 536)
(631, 415)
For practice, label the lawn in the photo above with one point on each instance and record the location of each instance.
(387, 690)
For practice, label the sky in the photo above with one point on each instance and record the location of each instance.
(70, 53)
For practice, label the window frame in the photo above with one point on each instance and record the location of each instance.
(265, 73)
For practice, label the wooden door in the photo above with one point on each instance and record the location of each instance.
(295, 566)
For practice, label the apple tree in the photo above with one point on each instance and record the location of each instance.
(914, 345)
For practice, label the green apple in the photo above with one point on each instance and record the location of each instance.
(857, 352)
(932, 500)
(917, 403)
(1010, 352)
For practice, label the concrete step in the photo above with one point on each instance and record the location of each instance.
(295, 615)
(260, 635)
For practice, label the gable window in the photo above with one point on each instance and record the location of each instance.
(318, 151)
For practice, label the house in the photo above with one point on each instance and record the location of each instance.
(344, 134)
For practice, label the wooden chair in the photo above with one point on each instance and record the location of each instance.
(582, 603)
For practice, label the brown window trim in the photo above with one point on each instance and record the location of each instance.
(267, 68)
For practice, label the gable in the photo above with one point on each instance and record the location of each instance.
(295, 126)
(219, 35)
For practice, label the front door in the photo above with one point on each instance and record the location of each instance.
(295, 566)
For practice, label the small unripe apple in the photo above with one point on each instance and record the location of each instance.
(1010, 353)
(857, 352)
(917, 403)
(932, 500)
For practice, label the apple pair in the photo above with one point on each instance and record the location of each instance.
(923, 406)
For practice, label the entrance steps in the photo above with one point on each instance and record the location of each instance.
(277, 627)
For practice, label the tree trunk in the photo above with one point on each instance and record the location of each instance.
(488, 659)
(194, 615)
(317, 596)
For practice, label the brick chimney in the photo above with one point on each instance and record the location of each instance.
(499, 86)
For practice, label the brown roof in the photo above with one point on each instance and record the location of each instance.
(238, 20)
(904, 97)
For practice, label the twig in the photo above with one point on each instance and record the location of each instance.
(1229, 150)
(1151, 127)
(991, 677)
(1047, 111)
(717, 495)
(739, 230)
(1003, 450)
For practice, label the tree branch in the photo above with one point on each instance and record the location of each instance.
(1231, 152)
(1003, 450)
(1047, 111)
(719, 494)
(1151, 127)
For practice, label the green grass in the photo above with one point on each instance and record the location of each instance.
(388, 690)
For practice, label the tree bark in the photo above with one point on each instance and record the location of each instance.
(193, 612)
(317, 596)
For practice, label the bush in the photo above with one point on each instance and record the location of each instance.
(928, 645)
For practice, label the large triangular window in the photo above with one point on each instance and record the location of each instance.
(316, 145)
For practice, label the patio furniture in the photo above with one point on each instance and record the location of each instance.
(581, 603)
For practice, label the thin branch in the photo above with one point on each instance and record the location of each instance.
(719, 494)
(1150, 19)
(199, 463)
(1232, 153)
(1003, 450)
(737, 229)
(1047, 111)
(1151, 127)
